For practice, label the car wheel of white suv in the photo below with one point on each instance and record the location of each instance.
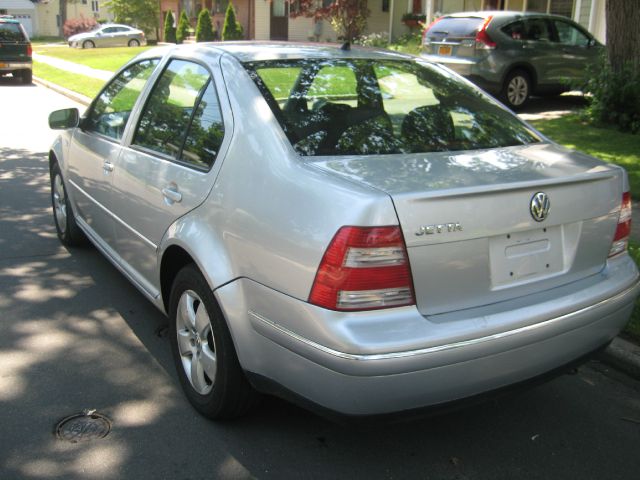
(203, 350)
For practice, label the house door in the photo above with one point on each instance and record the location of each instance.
(279, 20)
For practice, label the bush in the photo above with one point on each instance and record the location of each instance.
(78, 25)
(615, 96)
(377, 40)
(169, 29)
(183, 28)
(232, 29)
(204, 29)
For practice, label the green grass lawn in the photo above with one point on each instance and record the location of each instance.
(110, 59)
(608, 144)
(78, 83)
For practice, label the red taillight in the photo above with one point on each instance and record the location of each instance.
(623, 230)
(364, 268)
(483, 40)
(29, 50)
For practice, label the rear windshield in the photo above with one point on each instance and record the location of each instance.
(11, 32)
(456, 27)
(373, 107)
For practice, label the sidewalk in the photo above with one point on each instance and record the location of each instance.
(621, 354)
(73, 67)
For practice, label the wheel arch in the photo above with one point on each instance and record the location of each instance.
(526, 67)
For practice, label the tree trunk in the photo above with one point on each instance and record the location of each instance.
(623, 34)
(63, 16)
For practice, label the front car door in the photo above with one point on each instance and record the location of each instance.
(576, 48)
(166, 170)
(95, 147)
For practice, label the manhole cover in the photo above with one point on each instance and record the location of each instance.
(83, 427)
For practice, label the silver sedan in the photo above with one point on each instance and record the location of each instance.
(110, 35)
(360, 231)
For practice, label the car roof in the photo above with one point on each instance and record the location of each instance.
(503, 14)
(253, 51)
(8, 20)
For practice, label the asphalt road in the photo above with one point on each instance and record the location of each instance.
(75, 335)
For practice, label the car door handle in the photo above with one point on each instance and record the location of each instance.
(107, 167)
(172, 195)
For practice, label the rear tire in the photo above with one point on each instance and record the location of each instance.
(88, 44)
(27, 77)
(134, 43)
(203, 351)
(68, 231)
(516, 90)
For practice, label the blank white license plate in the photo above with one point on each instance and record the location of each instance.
(525, 256)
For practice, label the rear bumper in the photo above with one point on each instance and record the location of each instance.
(359, 364)
(10, 66)
(478, 71)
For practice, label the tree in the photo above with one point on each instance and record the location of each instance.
(139, 13)
(169, 28)
(232, 29)
(183, 28)
(623, 34)
(204, 28)
(348, 17)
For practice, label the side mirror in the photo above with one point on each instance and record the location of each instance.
(592, 43)
(63, 119)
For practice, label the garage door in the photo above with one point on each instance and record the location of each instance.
(25, 20)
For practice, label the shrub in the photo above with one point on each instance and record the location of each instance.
(169, 29)
(78, 25)
(615, 96)
(232, 29)
(183, 28)
(204, 28)
(377, 40)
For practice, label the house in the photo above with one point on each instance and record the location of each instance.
(48, 14)
(271, 20)
(22, 10)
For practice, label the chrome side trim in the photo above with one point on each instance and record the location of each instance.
(439, 348)
(115, 217)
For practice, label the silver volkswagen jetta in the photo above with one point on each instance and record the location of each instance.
(361, 230)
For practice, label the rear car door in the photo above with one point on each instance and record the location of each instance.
(539, 50)
(94, 150)
(166, 170)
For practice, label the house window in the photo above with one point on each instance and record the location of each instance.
(385, 5)
(57, 20)
(95, 6)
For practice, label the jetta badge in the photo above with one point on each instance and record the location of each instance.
(540, 205)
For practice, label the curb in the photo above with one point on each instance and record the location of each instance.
(76, 97)
(624, 356)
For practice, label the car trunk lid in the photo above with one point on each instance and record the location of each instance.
(468, 225)
(14, 44)
(453, 36)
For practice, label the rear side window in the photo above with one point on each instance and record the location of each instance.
(514, 30)
(11, 32)
(374, 107)
(537, 30)
(456, 27)
(182, 119)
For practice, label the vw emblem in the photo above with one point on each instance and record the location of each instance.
(539, 207)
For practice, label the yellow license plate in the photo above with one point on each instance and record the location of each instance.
(3, 65)
(444, 50)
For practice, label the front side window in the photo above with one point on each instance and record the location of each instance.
(182, 118)
(537, 30)
(364, 107)
(570, 35)
(110, 111)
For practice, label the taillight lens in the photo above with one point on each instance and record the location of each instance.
(623, 230)
(483, 40)
(364, 268)
(29, 50)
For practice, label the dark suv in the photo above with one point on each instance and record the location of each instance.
(512, 54)
(15, 50)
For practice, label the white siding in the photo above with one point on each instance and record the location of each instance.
(301, 29)
(262, 19)
(378, 20)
